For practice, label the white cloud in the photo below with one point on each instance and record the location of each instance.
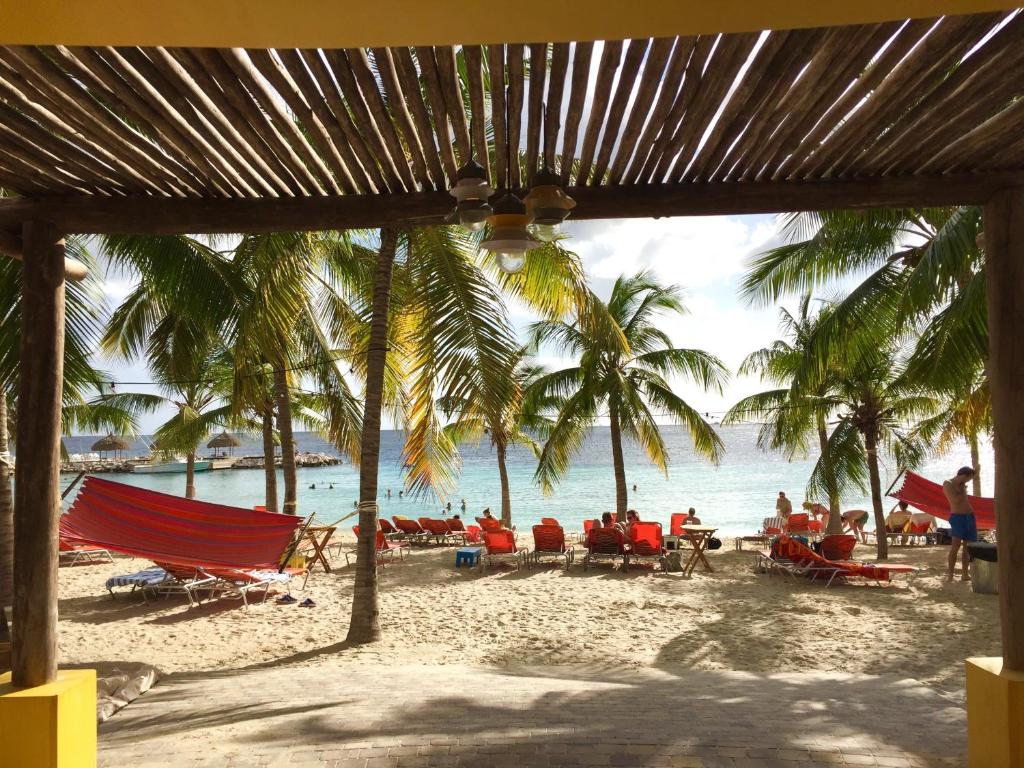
(693, 251)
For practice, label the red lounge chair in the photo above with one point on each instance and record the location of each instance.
(646, 543)
(489, 523)
(798, 524)
(386, 548)
(838, 547)
(772, 526)
(795, 558)
(587, 526)
(549, 541)
(413, 531)
(606, 544)
(70, 554)
(440, 532)
(548, 521)
(390, 531)
(676, 523)
(456, 526)
(816, 527)
(474, 534)
(501, 546)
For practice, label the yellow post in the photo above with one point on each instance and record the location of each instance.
(51, 725)
(995, 715)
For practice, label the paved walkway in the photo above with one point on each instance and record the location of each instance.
(362, 717)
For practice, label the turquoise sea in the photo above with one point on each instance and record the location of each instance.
(735, 496)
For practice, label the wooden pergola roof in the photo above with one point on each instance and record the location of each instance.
(104, 139)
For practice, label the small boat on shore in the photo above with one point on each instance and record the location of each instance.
(178, 466)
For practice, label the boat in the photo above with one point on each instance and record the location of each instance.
(179, 466)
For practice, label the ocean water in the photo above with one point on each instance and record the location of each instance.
(734, 496)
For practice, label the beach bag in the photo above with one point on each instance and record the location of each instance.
(673, 562)
(714, 543)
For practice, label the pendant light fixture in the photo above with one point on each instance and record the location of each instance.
(471, 192)
(547, 206)
(509, 239)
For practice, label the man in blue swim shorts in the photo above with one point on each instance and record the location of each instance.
(963, 526)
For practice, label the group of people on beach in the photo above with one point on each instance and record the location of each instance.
(962, 523)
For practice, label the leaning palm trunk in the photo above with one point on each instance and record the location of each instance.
(364, 626)
(621, 499)
(871, 443)
(269, 469)
(835, 517)
(190, 475)
(6, 513)
(975, 465)
(506, 497)
(284, 428)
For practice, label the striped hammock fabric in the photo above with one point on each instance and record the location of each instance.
(175, 531)
(921, 493)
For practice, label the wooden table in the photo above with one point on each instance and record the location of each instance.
(699, 536)
(315, 539)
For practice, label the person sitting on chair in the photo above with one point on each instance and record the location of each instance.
(607, 520)
(691, 517)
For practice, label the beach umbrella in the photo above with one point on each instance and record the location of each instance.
(111, 443)
(224, 440)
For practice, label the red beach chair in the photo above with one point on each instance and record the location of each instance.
(474, 535)
(798, 524)
(797, 559)
(413, 531)
(501, 546)
(489, 523)
(386, 548)
(549, 541)
(606, 544)
(440, 532)
(646, 543)
(838, 547)
(390, 531)
(676, 523)
(548, 521)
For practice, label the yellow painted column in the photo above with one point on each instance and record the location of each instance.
(52, 725)
(995, 715)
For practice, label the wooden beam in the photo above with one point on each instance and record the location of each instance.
(1004, 253)
(37, 472)
(11, 245)
(369, 23)
(147, 215)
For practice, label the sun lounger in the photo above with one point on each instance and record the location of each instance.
(439, 531)
(838, 546)
(386, 548)
(69, 553)
(549, 521)
(412, 530)
(144, 581)
(470, 534)
(772, 526)
(390, 531)
(549, 541)
(799, 524)
(646, 544)
(793, 557)
(501, 547)
(606, 544)
(489, 524)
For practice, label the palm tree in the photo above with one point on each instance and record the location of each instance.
(511, 425)
(874, 404)
(622, 368)
(793, 412)
(964, 416)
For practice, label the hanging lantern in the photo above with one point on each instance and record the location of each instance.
(509, 239)
(471, 190)
(548, 206)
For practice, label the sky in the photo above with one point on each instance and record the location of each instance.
(705, 256)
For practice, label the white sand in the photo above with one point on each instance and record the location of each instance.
(434, 614)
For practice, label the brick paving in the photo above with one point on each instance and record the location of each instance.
(374, 717)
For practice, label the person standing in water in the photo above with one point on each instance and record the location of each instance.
(389, 493)
(463, 505)
(963, 526)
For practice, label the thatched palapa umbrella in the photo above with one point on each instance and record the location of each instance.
(111, 443)
(225, 440)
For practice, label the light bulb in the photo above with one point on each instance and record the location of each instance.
(511, 262)
(546, 233)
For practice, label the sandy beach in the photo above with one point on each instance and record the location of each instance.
(434, 614)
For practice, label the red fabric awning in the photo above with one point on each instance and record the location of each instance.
(923, 494)
(170, 529)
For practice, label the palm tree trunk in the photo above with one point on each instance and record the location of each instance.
(975, 465)
(506, 497)
(190, 475)
(364, 626)
(284, 428)
(871, 443)
(835, 520)
(621, 498)
(6, 513)
(269, 469)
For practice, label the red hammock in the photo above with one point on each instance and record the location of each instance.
(176, 531)
(927, 496)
